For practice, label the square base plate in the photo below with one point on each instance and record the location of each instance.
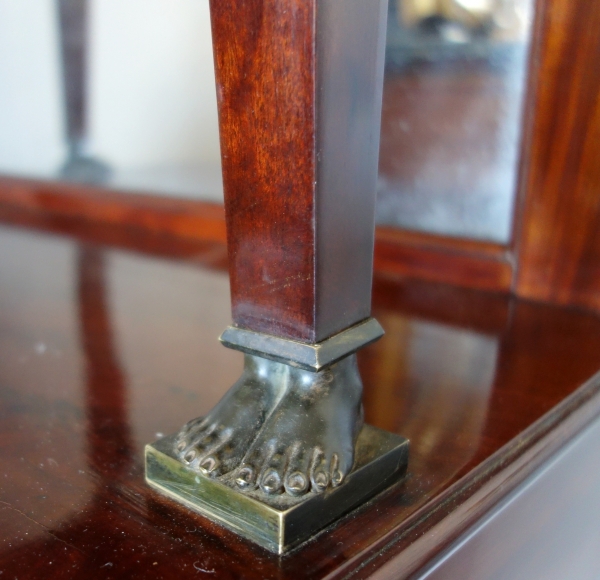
(278, 522)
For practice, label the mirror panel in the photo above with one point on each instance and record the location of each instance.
(453, 101)
(141, 72)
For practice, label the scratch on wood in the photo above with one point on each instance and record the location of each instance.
(45, 528)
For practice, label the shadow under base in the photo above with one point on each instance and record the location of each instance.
(279, 522)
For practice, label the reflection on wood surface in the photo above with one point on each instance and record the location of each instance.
(425, 369)
(462, 373)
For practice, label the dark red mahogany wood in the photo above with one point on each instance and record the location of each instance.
(176, 221)
(299, 86)
(101, 348)
(467, 263)
(87, 206)
(558, 230)
(555, 253)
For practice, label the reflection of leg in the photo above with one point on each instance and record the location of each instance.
(308, 441)
(216, 444)
(109, 437)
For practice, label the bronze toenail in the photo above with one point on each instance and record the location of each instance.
(209, 465)
(181, 446)
(320, 481)
(189, 456)
(271, 482)
(296, 483)
(245, 477)
(337, 478)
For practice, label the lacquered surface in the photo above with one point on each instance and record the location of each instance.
(101, 349)
(85, 206)
(558, 236)
(266, 97)
(299, 93)
(540, 531)
(466, 263)
(555, 243)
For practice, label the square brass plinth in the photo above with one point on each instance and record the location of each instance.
(279, 522)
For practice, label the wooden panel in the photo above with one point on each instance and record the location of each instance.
(196, 231)
(187, 220)
(266, 99)
(467, 263)
(483, 312)
(540, 531)
(101, 349)
(448, 260)
(557, 233)
(351, 47)
(559, 236)
(299, 93)
(463, 263)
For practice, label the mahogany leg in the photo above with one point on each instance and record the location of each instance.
(299, 87)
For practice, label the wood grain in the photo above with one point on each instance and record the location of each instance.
(556, 246)
(483, 312)
(557, 546)
(91, 205)
(101, 348)
(558, 238)
(299, 93)
(466, 263)
(265, 69)
(93, 211)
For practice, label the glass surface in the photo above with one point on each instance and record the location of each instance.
(122, 93)
(453, 96)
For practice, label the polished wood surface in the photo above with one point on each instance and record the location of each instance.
(555, 251)
(513, 542)
(265, 93)
(558, 236)
(92, 206)
(299, 94)
(104, 348)
(466, 263)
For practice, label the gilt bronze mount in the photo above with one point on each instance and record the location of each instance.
(300, 354)
(284, 453)
(278, 522)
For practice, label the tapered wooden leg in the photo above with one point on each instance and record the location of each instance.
(299, 91)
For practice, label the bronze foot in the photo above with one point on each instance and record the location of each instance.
(215, 444)
(307, 442)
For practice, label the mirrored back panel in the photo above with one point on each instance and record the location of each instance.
(122, 94)
(453, 101)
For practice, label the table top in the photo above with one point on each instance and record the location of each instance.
(109, 340)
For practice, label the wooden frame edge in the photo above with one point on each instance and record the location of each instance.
(466, 263)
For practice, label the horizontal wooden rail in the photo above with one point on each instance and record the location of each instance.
(465, 263)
